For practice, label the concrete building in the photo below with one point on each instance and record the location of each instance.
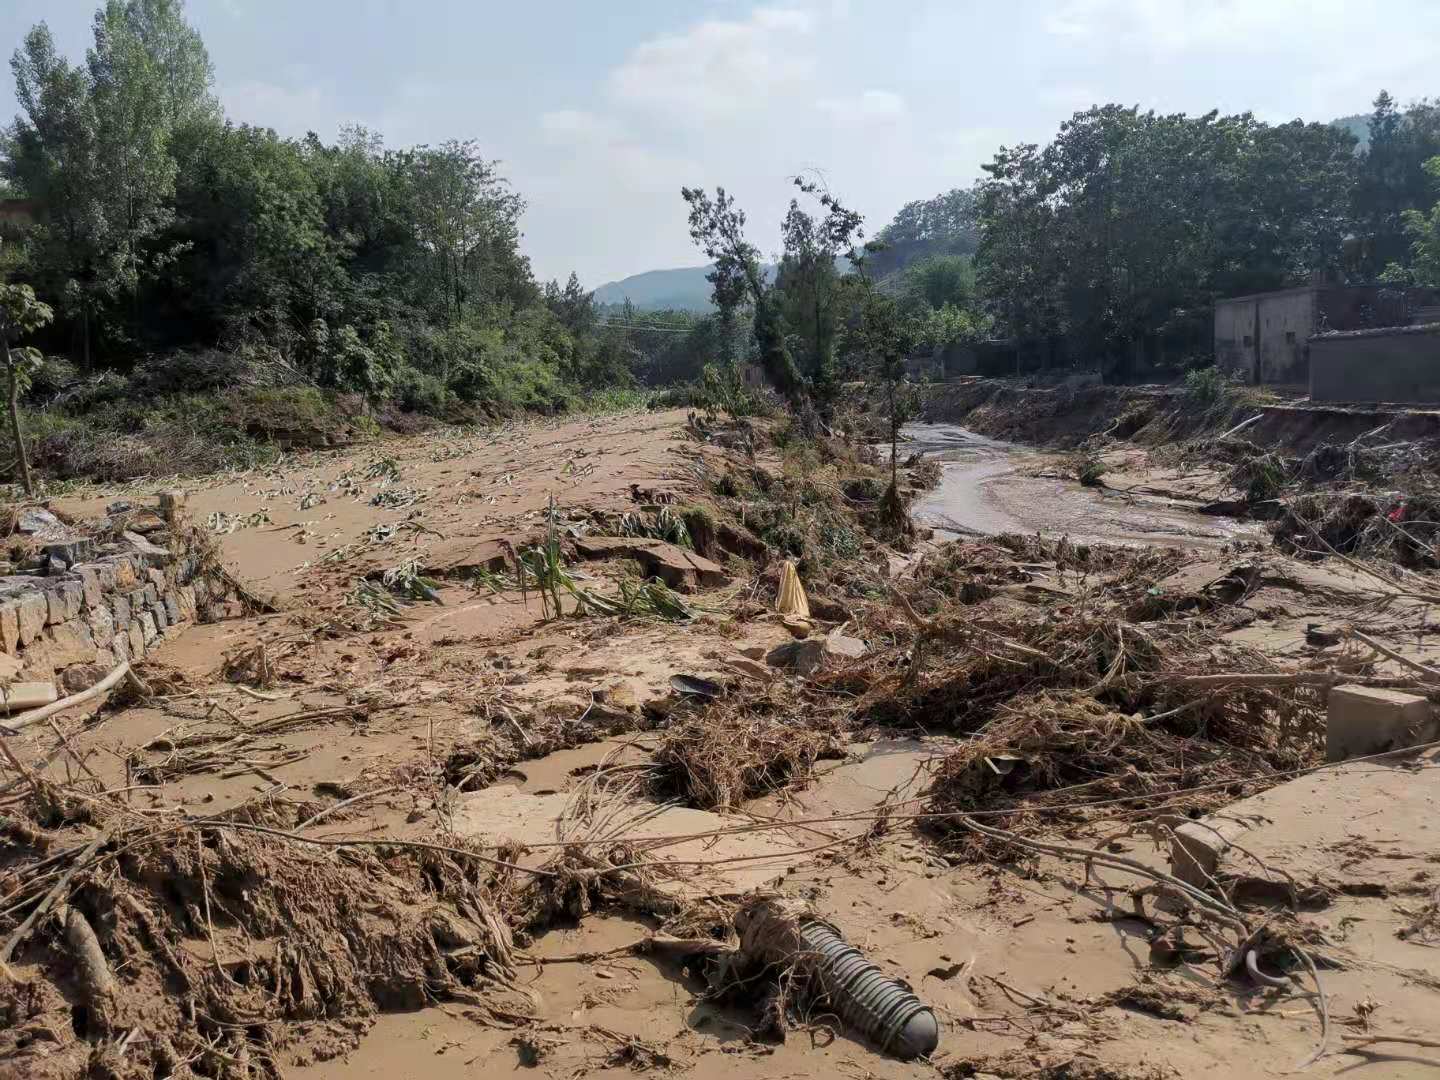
(1265, 337)
(1398, 364)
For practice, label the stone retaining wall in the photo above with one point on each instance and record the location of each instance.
(89, 602)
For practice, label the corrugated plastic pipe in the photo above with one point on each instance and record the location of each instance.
(891, 1016)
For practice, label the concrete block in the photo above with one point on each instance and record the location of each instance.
(1370, 720)
(26, 695)
(89, 582)
(33, 611)
(137, 639)
(1197, 848)
(10, 625)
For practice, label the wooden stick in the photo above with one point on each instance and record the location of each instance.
(53, 895)
(34, 716)
(1415, 665)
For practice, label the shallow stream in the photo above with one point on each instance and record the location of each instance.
(989, 487)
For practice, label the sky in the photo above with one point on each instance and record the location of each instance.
(600, 111)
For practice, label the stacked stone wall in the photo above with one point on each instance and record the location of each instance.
(87, 602)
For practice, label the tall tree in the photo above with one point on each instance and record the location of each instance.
(811, 286)
(717, 226)
(1392, 180)
(54, 155)
(182, 63)
(467, 219)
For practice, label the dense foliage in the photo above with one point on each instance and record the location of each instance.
(1123, 231)
(393, 274)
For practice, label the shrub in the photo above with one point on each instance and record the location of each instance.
(1206, 386)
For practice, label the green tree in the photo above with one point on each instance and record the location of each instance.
(1392, 180)
(20, 314)
(1423, 228)
(810, 285)
(940, 281)
(883, 339)
(718, 228)
(1129, 224)
(184, 74)
(466, 219)
(54, 155)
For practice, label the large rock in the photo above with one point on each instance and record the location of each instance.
(42, 523)
(154, 554)
(9, 625)
(812, 654)
(682, 570)
(32, 612)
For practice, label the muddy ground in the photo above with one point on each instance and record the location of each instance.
(474, 722)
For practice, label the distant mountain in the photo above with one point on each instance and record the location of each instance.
(681, 289)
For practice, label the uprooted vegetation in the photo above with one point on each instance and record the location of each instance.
(220, 945)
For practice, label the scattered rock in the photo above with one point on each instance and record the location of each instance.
(799, 628)
(42, 523)
(154, 554)
(81, 677)
(841, 645)
(812, 654)
(681, 570)
(68, 552)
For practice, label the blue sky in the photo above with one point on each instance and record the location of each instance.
(601, 111)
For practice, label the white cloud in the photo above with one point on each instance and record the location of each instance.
(1176, 25)
(718, 68)
(867, 105)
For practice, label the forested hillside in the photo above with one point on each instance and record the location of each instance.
(201, 284)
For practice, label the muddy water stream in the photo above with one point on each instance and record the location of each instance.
(989, 487)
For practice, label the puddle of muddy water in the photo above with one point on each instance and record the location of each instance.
(986, 487)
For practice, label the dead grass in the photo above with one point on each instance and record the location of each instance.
(718, 762)
(221, 948)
